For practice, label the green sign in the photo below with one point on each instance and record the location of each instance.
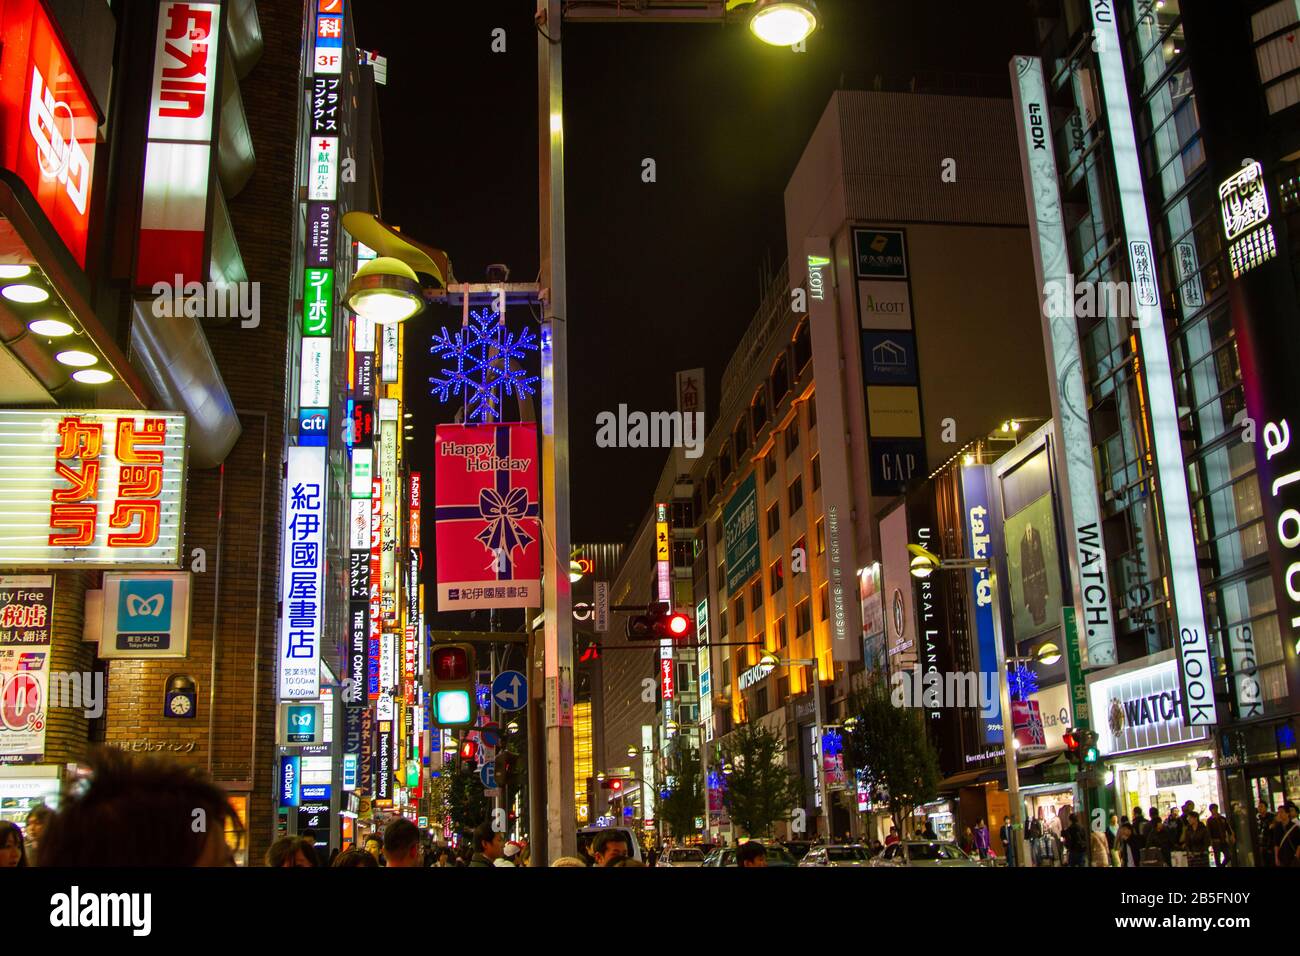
(318, 302)
(1078, 690)
(740, 531)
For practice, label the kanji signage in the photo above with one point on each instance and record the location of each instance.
(329, 37)
(302, 569)
(1243, 203)
(93, 488)
(486, 516)
(48, 121)
(325, 100)
(26, 628)
(318, 302)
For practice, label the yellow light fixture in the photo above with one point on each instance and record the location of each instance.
(1048, 653)
(92, 376)
(385, 290)
(51, 328)
(783, 22)
(76, 358)
(15, 271)
(26, 294)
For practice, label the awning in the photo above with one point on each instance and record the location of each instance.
(997, 774)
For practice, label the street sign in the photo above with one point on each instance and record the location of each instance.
(510, 690)
(487, 774)
(601, 612)
(490, 734)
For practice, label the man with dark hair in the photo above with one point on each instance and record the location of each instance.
(140, 811)
(292, 852)
(751, 853)
(488, 845)
(402, 843)
(610, 845)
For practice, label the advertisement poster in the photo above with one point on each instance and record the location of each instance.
(1027, 719)
(1033, 569)
(740, 531)
(873, 618)
(26, 628)
(488, 534)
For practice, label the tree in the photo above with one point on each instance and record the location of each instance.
(889, 744)
(686, 801)
(458, 794)
(760, 789)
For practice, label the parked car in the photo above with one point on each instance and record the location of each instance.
(777, 855)
(681, 856)
(798, 848)
(924, 853)
(837, 854)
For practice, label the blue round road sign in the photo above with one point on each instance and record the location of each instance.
(510, 690)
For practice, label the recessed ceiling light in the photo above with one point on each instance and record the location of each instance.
(15, 272)
(92, 376)
(76, 358)
(24, 293)
(51, 328)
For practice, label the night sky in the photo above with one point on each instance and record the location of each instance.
(662, 276)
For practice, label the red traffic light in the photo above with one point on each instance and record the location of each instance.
(450, 663)
(612, 783)
(678, 624)
(469, 750)
(1071, 740)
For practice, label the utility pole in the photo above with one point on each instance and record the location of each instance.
(557, 595)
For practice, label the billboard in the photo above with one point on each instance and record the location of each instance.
(488, 535)
(740, 534)
(982, 544)
(91, 488)
(896, 597)
(26, 631)
(301, 574)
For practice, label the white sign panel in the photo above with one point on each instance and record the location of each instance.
(314, 385)
(1197, 670)
(388, 355)
(884, 304)
(1073, 439)
(91, 488)
(1140, 710)
(301, 574)
(359, 526)
(185, 71)
(363, 463)
(145, 615)
(323, 169)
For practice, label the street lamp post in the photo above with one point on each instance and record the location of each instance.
(923, 564)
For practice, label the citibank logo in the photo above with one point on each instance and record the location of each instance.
(52, 125)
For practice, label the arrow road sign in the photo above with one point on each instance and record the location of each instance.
(510, 690)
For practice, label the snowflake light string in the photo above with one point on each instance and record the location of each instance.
(485, 365)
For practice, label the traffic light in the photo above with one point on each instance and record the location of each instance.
(507, 765)
(451, 680)
(1073, 742)
(469, 752)
(1088, 747)
(660, 623)
(612, 783)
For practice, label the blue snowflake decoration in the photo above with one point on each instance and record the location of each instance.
(1023, 682)
(485, 365)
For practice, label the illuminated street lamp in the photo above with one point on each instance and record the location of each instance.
(783, 22)
(385, 290)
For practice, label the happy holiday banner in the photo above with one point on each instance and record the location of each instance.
(485, 516)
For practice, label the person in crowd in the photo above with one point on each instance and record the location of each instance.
(928, 833)
(310, 837)
(1076, 841)
(375, 847)
(968, 841)
(609, 846)
(133, 811)
(875, 847)
(1195, 840)
(1139, 822)
(1128, 846)
(291, 851)
(12, 852)
(402, 844)
(627, 861)
(584, 849)
(893, 836)
(1099, 848)
(1164, 839)
(1221, 836)
(487, 844)
(982, 839)
(751, 853)
(355, 858)
(1008, 838)
(1151, 824)
(1288, 839)
(38, 818)
(1174, 823)
(509, 855)
(1112, 832)
(570, 861)
(1263, 835)
(444, 858)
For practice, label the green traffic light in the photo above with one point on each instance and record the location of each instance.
(451, 708)
(1091, 755)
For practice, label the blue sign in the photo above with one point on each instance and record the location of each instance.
(889, 358)
(491, 735)
(980, 544)
(510, 690)
(488, 775)
(315, 792)
(740, 531)
(301, 728)
(144, 614)
(706, 683)
(627, 811)
(314, 426)
(290, 773)
(350, 771)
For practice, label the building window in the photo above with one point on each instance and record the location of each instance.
(722, 623)
(760, 702)
(821, 535)
(776, 576)
(724, 465)
(740, 609)
(758, 410)
(824, 600)
(812, 412)
(783, 689)
(769, 465)
(792, 437)
(817, 471)
(802, 346)
(756, 594)
(780, 379)
(774, 519)
(726, 672)
(800, 549)
(796, 495)
(780, 632)
(711, 484)
(802, 618)
(741, 438)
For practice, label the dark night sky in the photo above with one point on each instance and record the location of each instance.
(662, 276)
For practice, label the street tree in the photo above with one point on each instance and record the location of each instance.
(685, 802)
(760, 789)
(889, 744)
(458, 794)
